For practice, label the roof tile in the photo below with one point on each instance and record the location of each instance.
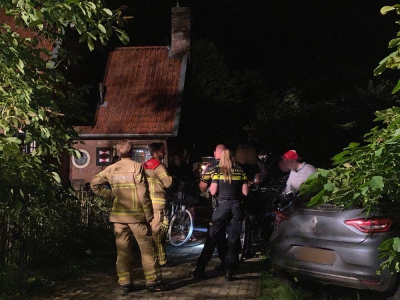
(142, 93)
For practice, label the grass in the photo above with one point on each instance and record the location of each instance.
(275, 288)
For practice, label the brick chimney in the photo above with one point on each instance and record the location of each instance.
(180, 31)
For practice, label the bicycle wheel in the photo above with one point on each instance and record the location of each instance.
(243, 240)
(180, 228)
(267, 228)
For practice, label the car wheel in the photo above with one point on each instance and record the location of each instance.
(395, 294)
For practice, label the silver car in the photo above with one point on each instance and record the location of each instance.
(332, 245)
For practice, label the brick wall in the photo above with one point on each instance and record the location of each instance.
(90, 146)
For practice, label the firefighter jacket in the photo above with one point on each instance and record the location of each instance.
(129, 186)
(159, 180)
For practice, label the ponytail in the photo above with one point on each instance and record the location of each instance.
(226, 164)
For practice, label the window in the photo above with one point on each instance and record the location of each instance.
(140, 155)
(30, 147)
(83, 161)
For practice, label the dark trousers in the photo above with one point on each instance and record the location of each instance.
(228, 213)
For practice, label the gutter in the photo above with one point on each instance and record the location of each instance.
(122, 136)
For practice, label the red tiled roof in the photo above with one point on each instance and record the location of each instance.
(143, 93)
(25, 33)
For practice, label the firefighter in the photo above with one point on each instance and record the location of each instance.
(131, 214)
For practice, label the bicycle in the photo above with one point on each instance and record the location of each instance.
(181, 218)
(257, 224)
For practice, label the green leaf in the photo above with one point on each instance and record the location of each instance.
(386, 9)
(394, 42)
(56, 177)
(317, 199)
(18, 206)
(396, 88)
(378, 152)
(376, 183)
(92, 5)
(35, 23)
(329, 186)
(83, 37)
(80, 27)
(396, 244)
(102, 28)
(122, 35)
(353, 145)
(107, 11)
(90, 43)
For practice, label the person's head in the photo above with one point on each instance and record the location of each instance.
(252, 155)
(157, 150)
(124, 148)
(177, 160)
(218, 151)
(241, 155)
(291, 160)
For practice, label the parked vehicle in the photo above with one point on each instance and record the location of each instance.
(333, 245)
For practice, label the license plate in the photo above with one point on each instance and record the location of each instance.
(315, 255)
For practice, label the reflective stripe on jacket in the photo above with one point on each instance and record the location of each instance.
(132, 202)
(159, 180)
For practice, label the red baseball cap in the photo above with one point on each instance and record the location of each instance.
(291, 155)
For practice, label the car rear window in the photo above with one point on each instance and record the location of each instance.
(303, 200)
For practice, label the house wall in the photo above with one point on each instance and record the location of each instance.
(86, 174)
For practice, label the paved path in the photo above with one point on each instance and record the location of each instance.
(181, 261)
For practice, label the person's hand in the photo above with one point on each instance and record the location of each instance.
(164, 226)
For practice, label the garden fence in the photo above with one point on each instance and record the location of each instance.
(22, 238)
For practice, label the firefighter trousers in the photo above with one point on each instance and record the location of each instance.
(159, 237)
(123, 239)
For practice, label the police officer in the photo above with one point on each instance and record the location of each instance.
(159, 180)
(228, 183)
(131, 214)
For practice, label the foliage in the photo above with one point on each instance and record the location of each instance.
(216, 93)
(218, 85)
(51, 242)
(36, 101)
(366, 175)
(363, 173)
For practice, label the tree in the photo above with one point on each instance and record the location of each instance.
(368, 174)
(37, 103)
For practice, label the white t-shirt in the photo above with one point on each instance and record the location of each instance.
(296, 178)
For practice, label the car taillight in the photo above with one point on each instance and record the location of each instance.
(370, 225)
(280, 216)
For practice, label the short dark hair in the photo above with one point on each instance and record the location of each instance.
(123, 151)
(154, 147)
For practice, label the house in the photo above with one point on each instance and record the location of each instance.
(140, 100)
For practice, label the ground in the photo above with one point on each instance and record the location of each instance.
(103, 284)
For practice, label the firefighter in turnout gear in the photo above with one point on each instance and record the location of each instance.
(131, 214)
(159, 180)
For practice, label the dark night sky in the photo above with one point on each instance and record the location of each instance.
(290, 42)
(320, 45)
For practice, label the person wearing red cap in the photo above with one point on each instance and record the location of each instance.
(299, 171)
